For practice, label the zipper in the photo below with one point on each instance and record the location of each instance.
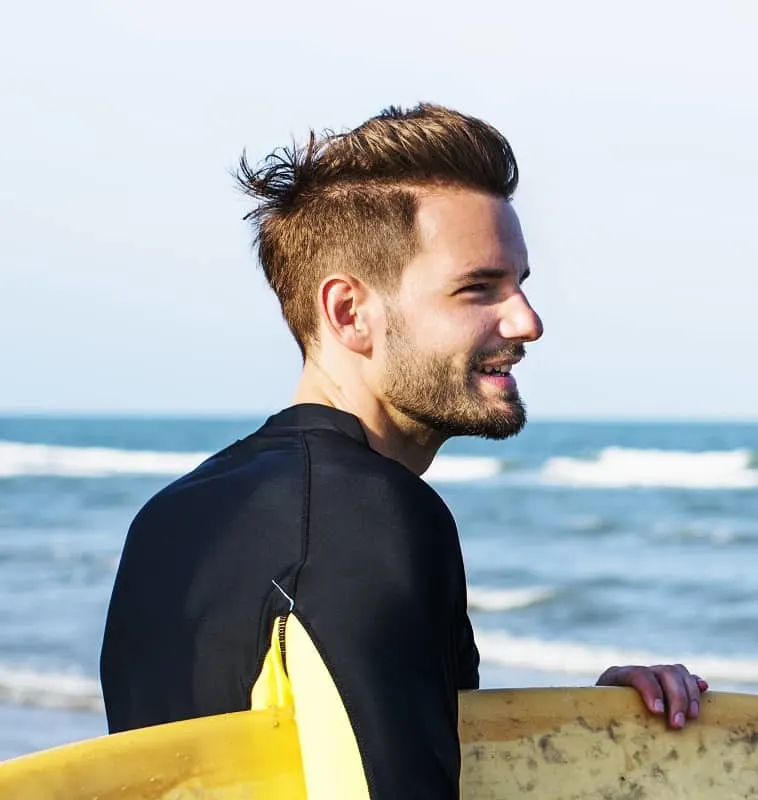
(282, 623)
(282, 645)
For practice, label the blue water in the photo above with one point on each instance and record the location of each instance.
(586, 544)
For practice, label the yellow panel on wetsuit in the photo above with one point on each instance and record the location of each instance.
(272, 687)
(329, 751)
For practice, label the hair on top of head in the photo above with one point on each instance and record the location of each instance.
(281, 175)
(347, 201)
(423, 146)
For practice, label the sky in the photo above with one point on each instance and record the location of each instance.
(127, 279)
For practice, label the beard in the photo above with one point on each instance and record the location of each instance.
(432, 391)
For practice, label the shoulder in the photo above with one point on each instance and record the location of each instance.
(258, 460)
(374, 523)
(359, 479)
(250, 483)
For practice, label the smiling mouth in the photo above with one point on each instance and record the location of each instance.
(503, 369)
(495, 367)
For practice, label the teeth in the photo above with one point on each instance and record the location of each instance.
(504, 370)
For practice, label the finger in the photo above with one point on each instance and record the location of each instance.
(647, 685)
(676, 694)
(693, 691)
(701, 684)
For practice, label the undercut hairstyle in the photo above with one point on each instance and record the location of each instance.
(346, 202)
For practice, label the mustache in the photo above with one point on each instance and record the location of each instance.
(512, 352)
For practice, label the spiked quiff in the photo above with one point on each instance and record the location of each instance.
(347, 202)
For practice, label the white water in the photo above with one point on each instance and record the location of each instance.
(455, 469)
(17, 459)
(572, 658)
(24, 687)
(621, 467)
(481, 598)
(91, 462)
(614, 467)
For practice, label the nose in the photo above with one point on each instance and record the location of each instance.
(519, 320)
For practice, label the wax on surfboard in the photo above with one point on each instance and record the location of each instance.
(542, 743)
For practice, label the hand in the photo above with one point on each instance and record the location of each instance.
(665, 687)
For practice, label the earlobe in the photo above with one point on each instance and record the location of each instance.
(355, 336)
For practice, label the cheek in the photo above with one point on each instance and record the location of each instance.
(454, 333)
(468, 334)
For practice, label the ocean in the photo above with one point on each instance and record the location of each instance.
(586, 545)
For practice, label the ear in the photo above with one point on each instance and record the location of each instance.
(344, 309)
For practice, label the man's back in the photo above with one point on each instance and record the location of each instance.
(302, 519)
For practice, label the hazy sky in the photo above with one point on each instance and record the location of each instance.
(127, 281)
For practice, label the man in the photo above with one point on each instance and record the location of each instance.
(312, 549)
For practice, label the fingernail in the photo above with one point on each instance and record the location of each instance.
(679, 719)
(694, 708)
(658, 706)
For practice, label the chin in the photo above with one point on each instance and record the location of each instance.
(500, 425)
(509, 421)
(503, 429)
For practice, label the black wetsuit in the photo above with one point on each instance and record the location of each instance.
(366, 549)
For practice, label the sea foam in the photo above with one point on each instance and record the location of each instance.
(572, 658)
(458, 469)
(622, 468)
(482, 598)
(613, 467)
(26, 687)
(17, 459)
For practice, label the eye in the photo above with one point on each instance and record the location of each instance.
(475, 288)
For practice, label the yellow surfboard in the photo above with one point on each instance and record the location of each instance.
(541, 743)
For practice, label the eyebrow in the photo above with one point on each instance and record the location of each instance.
(489, 273)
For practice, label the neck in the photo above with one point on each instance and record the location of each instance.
(387, 430)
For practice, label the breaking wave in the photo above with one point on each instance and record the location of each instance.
(90, 462)
(613, 467)
(571, 658)
(481, 598)
(619, 467)
(455, 469)
(19, 459)
(23, 687)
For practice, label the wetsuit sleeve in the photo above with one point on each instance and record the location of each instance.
(468, 655)
(379, 596)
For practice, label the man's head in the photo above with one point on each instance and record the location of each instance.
(396, 243)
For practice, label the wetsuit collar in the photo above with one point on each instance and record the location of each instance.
(308, 416)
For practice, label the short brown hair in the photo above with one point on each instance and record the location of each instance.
(347, 202)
